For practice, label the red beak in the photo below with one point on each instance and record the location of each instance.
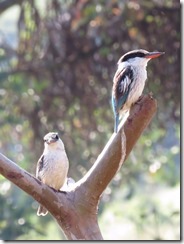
(154, 54)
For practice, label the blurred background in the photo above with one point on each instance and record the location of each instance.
(57, 62)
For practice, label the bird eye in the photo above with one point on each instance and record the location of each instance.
(57, 137)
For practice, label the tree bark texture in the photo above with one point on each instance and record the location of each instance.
(76, 210)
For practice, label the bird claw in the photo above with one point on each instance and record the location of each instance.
(62, 192)
(58, 190)
(139, 99)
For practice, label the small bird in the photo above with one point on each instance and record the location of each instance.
(129, 81)
(52, 167)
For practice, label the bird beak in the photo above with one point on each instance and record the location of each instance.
(154, 54)
(47, 141)
(50, 140)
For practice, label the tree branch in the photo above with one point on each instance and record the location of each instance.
(28, 183)
(118, 148)
(76, 211)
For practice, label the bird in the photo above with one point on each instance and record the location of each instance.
(52, 166)
(129, 81)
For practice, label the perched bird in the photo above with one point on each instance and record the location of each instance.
(52, 167)
(129, 81)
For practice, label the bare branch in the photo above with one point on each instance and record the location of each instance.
(76, 211)
(114, 153)
(28, 183)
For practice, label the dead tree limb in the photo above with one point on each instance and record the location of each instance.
(76, 211)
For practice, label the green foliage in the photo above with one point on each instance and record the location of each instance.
(58, 77)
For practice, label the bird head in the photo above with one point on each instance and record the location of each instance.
(52, 140)
(138, 57)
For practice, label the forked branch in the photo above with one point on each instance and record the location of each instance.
(76, 211)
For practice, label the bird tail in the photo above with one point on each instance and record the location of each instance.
(42, 211)
(116, 123)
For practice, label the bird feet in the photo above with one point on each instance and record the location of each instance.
(58, 190)
(62, 192)
(139, 99)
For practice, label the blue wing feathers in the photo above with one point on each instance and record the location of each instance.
(116, 123)
(122, 100)
(116, 114)
(121, 88)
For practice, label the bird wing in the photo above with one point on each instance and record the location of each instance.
(121, 86)
(39, 166)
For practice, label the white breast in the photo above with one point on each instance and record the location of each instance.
(55, 169)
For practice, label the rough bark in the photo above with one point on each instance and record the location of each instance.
(76, 210)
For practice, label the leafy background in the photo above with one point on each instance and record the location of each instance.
(57, 61)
